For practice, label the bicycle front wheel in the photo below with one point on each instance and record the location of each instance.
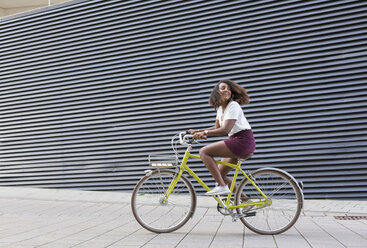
(158, 213)
(284, 194)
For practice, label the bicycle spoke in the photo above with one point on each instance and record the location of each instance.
(156, 211)
(284, 196)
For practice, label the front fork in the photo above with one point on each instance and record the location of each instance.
(175, 180)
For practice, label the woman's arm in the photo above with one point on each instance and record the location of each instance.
(193, 131)
(217, 130)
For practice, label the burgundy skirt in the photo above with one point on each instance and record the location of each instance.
(242, 143)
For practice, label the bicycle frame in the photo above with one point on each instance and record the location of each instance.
(184, 167)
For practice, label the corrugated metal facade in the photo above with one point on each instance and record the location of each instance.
(90, 88)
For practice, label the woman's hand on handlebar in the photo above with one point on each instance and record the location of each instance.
(193, 131)
(200, 135)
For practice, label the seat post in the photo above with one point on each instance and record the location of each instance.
(241, 160)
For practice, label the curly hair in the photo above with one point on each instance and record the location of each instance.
(238, 94)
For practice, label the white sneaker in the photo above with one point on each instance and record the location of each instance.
(219, 190)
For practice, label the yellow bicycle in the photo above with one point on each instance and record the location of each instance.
(267, 201)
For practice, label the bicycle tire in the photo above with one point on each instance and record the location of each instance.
(286, 201)
(155, 215)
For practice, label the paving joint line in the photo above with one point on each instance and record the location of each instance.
(302, 236)
(197, 223)
(68, 235)
(76, 245)
(341, 223)
(329, 234)
(216, 232)
(140, 228)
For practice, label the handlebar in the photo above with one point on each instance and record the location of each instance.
(186, 139)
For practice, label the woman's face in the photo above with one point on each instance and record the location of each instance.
(225, 91)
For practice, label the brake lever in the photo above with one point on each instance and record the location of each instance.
(194, 141)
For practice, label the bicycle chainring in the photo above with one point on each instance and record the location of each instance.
(224, 211)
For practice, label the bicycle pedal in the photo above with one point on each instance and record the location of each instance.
(250, 214)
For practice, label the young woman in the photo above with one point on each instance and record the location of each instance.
(226, 98)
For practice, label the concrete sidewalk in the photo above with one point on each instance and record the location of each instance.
(67, 218)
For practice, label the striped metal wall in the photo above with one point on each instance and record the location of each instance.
(89, 88)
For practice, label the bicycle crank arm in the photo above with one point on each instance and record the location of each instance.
(239, 216)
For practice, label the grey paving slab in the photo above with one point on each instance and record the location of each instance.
(229, 234)
(315, 235)
(291, 238)
(65, 218)
(254, 240)
(202, 234)
(344, 235)
(357, 226)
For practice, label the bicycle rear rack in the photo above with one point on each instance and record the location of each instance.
(163, 160)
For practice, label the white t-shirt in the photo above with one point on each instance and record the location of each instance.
(233, 111)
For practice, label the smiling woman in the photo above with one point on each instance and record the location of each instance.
(226, 98)
(230, 90)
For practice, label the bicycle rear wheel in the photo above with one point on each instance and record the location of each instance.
(153, 211)
(286, 201)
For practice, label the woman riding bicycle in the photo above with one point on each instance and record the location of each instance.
(226, 98)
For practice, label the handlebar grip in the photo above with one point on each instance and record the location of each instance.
(186, 136)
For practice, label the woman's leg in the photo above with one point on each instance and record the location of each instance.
(224, 170)
(217, 149)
